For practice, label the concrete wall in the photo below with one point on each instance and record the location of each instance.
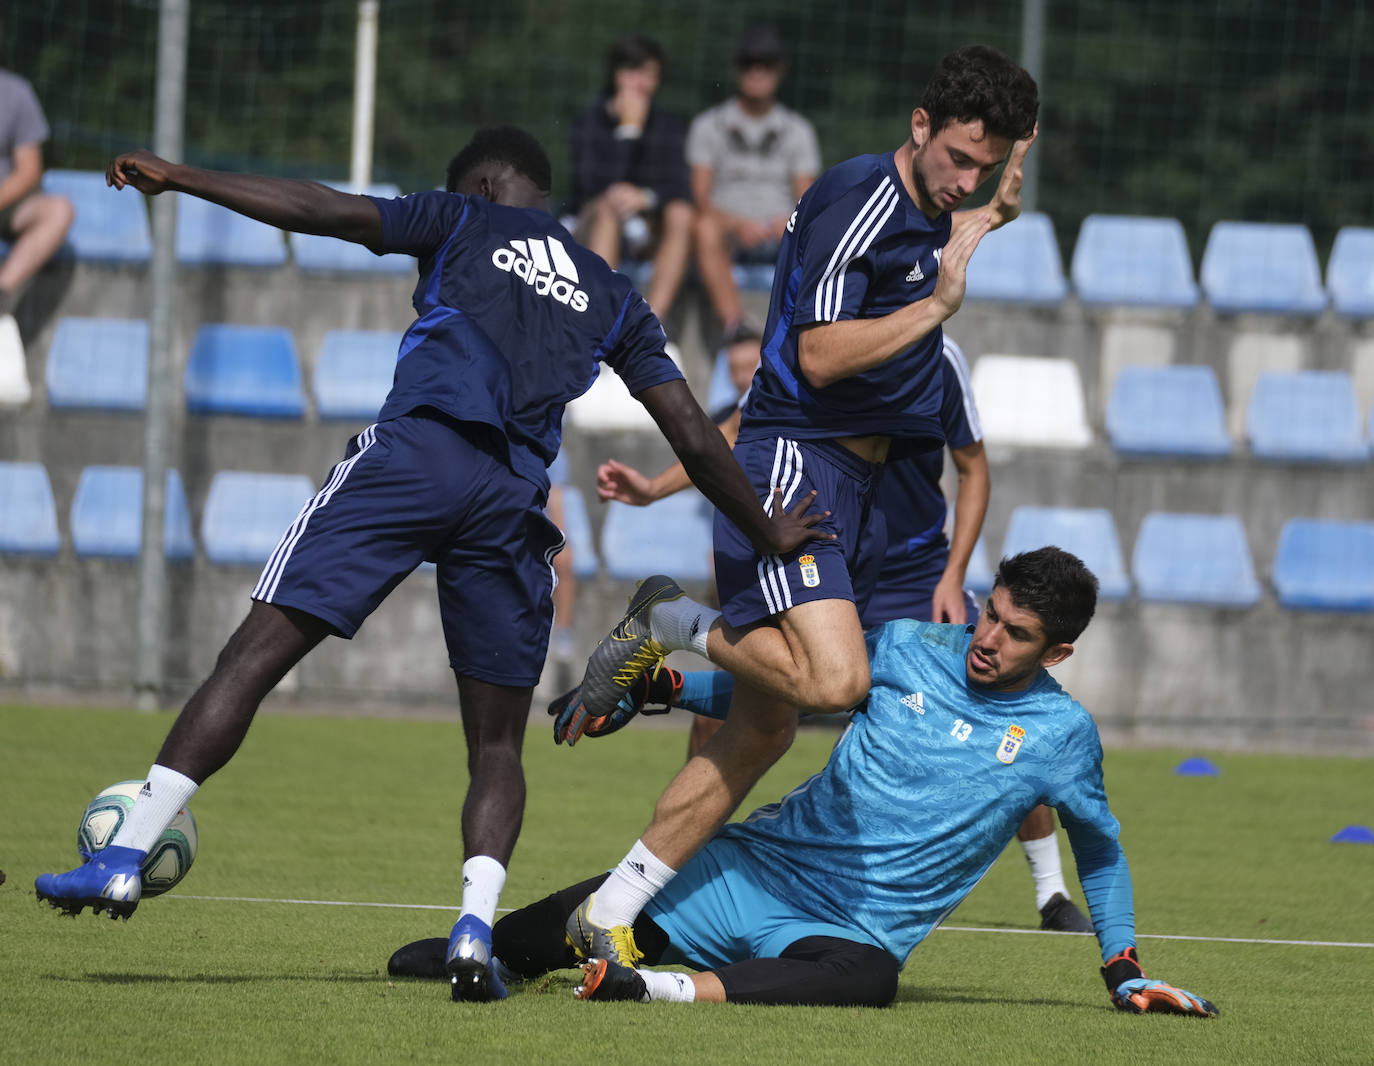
(1264, 678)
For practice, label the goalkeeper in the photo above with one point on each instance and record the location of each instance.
(819, 898)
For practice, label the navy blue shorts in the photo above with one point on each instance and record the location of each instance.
(905, 586)
(753, 587)
(417, 488)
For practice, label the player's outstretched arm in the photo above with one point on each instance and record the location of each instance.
(620, 481)
(1132, 991)
(299, 206)
(705, 456)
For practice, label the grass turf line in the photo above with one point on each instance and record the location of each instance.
(367, 809)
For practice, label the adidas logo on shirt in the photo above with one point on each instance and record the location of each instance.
(916, 274)
(544, 263)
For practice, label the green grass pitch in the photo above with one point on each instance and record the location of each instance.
(225, 969)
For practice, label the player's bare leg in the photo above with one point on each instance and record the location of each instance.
(670, 256)
(40, 224)
(494, 718)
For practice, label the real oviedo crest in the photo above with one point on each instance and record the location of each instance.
(1011, 744)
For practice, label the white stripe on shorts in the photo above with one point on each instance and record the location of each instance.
(787, 475)
(276, 564)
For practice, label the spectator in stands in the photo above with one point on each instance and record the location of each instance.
(630, 189)
(34, 223)
(751, 159)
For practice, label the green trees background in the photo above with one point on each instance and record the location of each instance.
(1231, 109)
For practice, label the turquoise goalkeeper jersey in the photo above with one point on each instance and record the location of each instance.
(924, 789)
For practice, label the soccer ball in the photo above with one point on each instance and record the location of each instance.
(168, 860)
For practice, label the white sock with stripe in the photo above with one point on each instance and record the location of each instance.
(638, 878)
(667, 987)
(1046, 869)
(483, 879)
(682, 624)
(158, 802)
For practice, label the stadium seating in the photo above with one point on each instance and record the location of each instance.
(753, 277)
(107, 514)
(720, 394)
(1028, 400)
(1307, 416)
(110, 226)
(608, 406)
(1262, 266)
(1019, 262)
(1168, 410)
(15, 390)
(1325, 565)
(210, 235)
(244, 370)
(247, 513)
(28, 519)
(1087, 532)
(577, 527)
(1195, 559)
(1122, 260)
(99, 363)
(978, 577)
(354, 371)
(672, 535)
(1350, 272)
(316, 254)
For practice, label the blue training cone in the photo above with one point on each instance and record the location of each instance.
(1354, 834)
(1197, 767)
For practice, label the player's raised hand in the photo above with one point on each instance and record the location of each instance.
(1132, 991)
(618, 481)
(1005, 204)
(144, 171)
(949, 287)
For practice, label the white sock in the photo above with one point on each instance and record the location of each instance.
(483, 879)
(682, 624)
(666, 987)
(1045, 867)
(638, 878)
(157, 803)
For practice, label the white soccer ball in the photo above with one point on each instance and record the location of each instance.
(168, 860)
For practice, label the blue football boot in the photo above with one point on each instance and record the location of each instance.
(111, 881)
(473, 973)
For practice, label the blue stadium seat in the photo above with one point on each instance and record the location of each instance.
(1194, 558)
(1087, 532)
(210, 235)
(28, 519)
(754, 277)
(721, 393)
(978, 577)
(1325, 565)
(316, 254)
(1350, 272)
(1306, 416)
(1262, 266)
(247, 513)
(577, 527)
(1019, 262)
(110, 226)
(1168, 410)
(244, 370)
(99, 363)
(672, 536)
(107, 514)
(354, 372)
(1119, 259)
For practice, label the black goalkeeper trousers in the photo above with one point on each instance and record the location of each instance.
(816, 970)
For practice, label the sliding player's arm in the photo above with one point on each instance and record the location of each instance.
(299, 206)
(620, 481)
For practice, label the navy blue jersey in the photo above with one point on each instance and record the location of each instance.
(856, 247)
(513, 317)
(909, 494)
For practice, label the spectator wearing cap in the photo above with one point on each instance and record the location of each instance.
(629, 172)
(751, 159)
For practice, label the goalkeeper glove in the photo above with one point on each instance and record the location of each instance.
(1131, 990)
(650, 694)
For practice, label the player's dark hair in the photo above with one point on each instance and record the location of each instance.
(502, 144)
(1055, 585)
(979, 82)
(630, 53)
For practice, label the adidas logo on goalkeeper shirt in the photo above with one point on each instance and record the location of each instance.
(544, 263)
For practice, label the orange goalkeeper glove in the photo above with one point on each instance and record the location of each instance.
(1131, 990)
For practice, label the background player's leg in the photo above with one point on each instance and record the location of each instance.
(1041, 847)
